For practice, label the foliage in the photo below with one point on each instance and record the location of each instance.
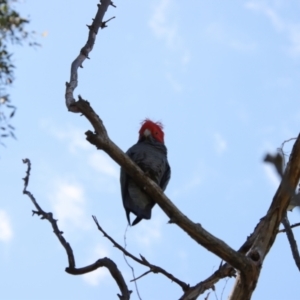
(12, 31)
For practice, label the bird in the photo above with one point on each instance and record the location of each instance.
(150, 154)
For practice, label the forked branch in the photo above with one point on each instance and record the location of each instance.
(244, 286)
(101, 140)
(84, 52)
(277, 161)
(143, 261)
(71, 269)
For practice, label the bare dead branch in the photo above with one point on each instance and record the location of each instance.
(142, 261)
(284, 142)
(246, 283)
(47, 216)
(292, 241)
(105, 22)
(113, 269)
(84, 53)
(101, 140)
(104, 262)
(144, 274)
(226, 281)
(207, 296)
(224, 270)
(194, 292)
(292, 226)
(294, 199)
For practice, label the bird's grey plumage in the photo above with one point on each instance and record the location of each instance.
(151, 156)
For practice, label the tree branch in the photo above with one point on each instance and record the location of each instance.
(292, 241)
(142, 261)
(47, 216)
(294, 199)
(245, 285)
(101, 140)
(193, 292)
(225, 270)
(84, 53)
(104, 262)
(292, 226)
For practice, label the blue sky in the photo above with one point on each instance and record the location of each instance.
(222, 76)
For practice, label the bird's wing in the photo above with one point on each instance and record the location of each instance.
(166, 177)
(124, 191)
(134, 199)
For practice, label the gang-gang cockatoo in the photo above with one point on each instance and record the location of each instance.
(150, 154)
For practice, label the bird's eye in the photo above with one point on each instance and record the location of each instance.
(156, 133)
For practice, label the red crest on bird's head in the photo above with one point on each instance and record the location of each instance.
(155, 128)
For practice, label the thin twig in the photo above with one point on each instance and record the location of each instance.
(129, 265)
(226, 280)
(293, 244)
(142, 261)
(144, 274)
(206, 298)
(292, 226)
(286, 141)
(216, 294)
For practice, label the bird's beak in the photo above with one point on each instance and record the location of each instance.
(147, 133)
